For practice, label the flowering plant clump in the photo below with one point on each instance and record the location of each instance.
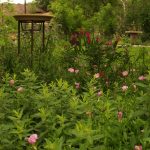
(65, 117)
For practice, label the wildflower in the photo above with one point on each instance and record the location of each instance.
(32, 139)
(77, 85)
(125, 73)
(96, 75)
(109, 43)
(124, 88)
(20, 89)
(120, 114)
(138, 147)
(141, 78)
(76, 70)
(100, 93)
(100, 74)
(71, 70)
(11, 82)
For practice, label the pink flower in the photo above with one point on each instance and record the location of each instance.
(20, 89)
(11, 82)
(32, 139)
(109, 43)
(71, 70)
(87, 34)
(100, 93)
(141, 78)
(96, 75)
(76, 70)
(125, 73)
(120, 114)
(77, 85)
(124, 88)
(138, 147)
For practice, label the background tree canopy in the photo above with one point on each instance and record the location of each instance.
(43, 4)
(108, 15)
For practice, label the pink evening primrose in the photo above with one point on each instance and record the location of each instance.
(76, 70)
(124, 88)
(138, 147)
(141, 78)
(32, 139)
(120, 114)
(77, 85)
(20, 89)
(11, 82)
(100, 93)
(125, 73)
(71, 70)
(96, 75)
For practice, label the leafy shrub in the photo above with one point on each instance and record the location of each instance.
(64, 119)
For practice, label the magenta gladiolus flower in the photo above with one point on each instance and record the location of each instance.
(141, 78)
(125, 73)
(124, 88)
(138, 147)
(87, 34)
(32, 139)
(71, 70)
(77, 85)
(120, 114)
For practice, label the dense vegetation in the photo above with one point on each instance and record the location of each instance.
(89, 89)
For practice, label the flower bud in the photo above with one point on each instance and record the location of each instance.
(11, 82)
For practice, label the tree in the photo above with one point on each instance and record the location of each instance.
(43, 4)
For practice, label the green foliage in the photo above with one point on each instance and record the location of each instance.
(106, 20)
(65, 119)
(139, 14)
(43, 4)
(69, 16)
